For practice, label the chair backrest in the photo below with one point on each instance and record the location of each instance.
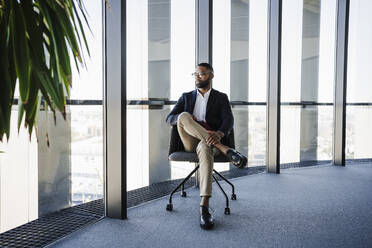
(176, 145)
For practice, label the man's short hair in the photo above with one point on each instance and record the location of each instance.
(207, 65)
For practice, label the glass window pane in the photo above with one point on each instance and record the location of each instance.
(87, 120)
(182, 47)
(88, 83)
(257, 73)
(161, 48)
(68, 171)
(86, 153)
(18, 177)
(359, 52)
(359, 96)
(257, 81)
(308, 42)
(358, 132)
(240, 64)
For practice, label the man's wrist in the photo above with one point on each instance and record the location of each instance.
(220, 133)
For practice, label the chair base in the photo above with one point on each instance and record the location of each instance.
(183, 193)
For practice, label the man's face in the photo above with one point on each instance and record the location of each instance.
(202, 77)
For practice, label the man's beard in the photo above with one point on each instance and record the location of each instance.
(202, 84)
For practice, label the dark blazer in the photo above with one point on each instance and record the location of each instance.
(218, 116)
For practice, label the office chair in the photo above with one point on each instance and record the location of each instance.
(177, 153)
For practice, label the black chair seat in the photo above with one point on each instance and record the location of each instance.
(192, 157)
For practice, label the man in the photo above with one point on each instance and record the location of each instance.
(203, 118)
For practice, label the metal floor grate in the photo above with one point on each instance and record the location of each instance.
(93, 208)
(51, 227)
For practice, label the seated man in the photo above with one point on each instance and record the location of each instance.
(203, 118)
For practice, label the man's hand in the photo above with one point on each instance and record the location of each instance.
(214, 137)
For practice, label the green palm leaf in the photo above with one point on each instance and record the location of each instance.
(37, 40)
(20, 49)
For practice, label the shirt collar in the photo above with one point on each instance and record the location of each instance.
(206, 95)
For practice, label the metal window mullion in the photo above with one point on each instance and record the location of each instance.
(204, 28)
(273, 87)
(339, 134)
(115, 109)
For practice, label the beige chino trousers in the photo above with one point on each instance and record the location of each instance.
(194, 137)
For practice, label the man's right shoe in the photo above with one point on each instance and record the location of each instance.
(206, 219)
(236, 158)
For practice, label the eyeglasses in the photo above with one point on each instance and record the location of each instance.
(199, 74)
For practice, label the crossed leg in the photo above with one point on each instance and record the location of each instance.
(194, 137)
(188, 129)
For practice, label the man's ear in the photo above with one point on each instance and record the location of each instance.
(212, 76)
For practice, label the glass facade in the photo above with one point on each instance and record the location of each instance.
(18, 177)
(161, 55)
(359, 96)
(240, 65)
(86, 153)
(307, 80)
(87, 120)
(161, 60)
(70, 170)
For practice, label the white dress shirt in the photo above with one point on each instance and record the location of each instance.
(200, 108)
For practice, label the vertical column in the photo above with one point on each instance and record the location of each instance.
(273, 87)
(340, 83)
(115, 109)
(204, 36)
(204, 27)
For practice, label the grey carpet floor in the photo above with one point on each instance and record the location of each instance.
(322, 206)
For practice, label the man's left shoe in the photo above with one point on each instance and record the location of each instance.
(236, 158)
(206, 219)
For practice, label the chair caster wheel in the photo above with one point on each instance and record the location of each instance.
(169, 207)
(233, 197)
(183, 194)
(227, 211)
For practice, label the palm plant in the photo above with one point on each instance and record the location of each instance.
(37, 38)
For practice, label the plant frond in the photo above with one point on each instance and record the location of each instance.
(38, 38)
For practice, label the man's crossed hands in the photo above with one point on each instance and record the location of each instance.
(214, 137)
